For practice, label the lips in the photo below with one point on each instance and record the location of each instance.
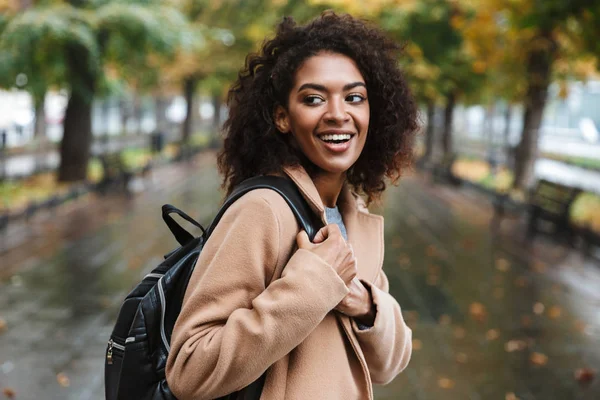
(336, 142)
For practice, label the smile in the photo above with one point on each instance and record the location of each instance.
(336, 143)
(336, 138)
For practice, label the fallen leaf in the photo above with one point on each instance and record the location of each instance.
(492, 334)
(521, 281)
(433, 280)
(477, 311)
(515, 345)
(539, 267)
(9, 393)
(526, 321)
(412, 317)
(580, 326)
(431, 251)
(105, 302)
(445, 383)
(434, 269)
(539, 359)
(510, 396)
(404, 261)
(556, 288)
(585, 375)
(498, 293)
(445, 320)
(461, 358)
(468, 244)
(502, 264)
(63, 379)
(2, 325)
(459, 332)
(417, 344)
(538, 308)
(554, 312)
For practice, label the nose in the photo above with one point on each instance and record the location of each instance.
(336, 111)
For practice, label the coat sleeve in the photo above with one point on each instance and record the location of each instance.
(387, 345)
(233, 324)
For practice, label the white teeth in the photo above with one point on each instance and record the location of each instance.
(336, 137)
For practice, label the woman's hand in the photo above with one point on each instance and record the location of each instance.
(358, 304)
(330, 246)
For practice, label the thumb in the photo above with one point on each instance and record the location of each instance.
(302, 240)
(321, 235)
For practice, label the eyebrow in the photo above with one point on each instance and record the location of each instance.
(322, 88)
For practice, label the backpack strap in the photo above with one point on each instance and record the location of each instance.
(287, 189)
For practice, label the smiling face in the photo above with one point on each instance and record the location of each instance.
(328, 112)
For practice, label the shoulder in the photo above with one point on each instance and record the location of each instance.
(267, 208)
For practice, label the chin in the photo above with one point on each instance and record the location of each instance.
(334, 168)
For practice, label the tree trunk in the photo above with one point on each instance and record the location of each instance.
(161, 114)
(124, 111)
(507, 118)
(189, 89)
(137, 114)
(447, 131)
(39, 128)
(429, 132)
(539, 65)
(216, 100)
(509, 159)
(77, 125)
(77, 138)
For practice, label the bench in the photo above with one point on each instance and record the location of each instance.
(442, 172)
(549, 205)
(115, 173)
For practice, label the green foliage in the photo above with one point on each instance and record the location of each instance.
(122, 34)
(32, 44)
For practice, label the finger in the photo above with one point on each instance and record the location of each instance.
(302, 240)
(321, 235)
(334, 230)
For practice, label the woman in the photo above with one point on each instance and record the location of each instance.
(325, 105)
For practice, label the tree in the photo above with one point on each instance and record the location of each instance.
(230, 30)
(551, 28)
(439, 67)
(70, 44)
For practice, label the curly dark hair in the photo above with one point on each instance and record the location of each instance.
(252, 146)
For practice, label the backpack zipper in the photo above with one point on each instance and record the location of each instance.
(112, 344)
(109, 353)
(163, 305)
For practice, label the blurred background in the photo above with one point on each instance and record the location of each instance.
(109, 109)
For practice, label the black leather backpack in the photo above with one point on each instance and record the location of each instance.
(138, 348)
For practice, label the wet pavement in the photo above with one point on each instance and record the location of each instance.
(492, 317)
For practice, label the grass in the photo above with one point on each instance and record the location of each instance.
(591, 163)
(16, 195)
(584, 212)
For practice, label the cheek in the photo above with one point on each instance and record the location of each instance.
(305, 120)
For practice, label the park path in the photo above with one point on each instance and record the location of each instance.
(469, 292)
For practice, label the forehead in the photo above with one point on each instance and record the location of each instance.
(329, 69)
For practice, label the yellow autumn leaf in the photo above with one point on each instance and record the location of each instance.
(445, 383)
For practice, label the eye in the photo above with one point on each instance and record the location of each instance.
(313, 100)
(355, 98)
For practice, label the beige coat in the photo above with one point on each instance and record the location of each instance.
(256, 303)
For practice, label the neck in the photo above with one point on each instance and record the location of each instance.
(329, 187)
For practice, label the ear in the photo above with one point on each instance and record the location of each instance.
(281, 119)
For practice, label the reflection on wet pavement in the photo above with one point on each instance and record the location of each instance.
(490, 316)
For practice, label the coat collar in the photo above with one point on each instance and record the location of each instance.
(365, 231)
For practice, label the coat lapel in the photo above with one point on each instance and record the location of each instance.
(365, 231)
